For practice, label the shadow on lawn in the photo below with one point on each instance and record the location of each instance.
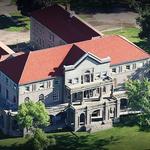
(68, 142)
(7, 22)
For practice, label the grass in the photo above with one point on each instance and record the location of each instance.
(132, 34)
(15, 22)
(23, 22)
(118, 138)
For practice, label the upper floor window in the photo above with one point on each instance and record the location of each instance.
(70, 81)
(6, 81)
(114, 70)
(55, 95)
(104, 74)
(128, 67)
(48, 84)
(97, 76)
(76, 80)
(27, 88)
(134, 66)
(88, 76)
(41, 85)
(56, 82)
(7, 94)
(120, 68)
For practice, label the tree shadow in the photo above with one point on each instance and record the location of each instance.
(69, 142)
(93, 7)
(14, 21)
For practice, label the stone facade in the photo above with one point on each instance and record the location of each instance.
(89, 97)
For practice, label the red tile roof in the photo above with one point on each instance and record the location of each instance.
(42, 64)
(59, 21)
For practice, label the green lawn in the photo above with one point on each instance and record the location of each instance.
(124, 138)
(132, 35)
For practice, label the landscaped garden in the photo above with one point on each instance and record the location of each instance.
(118, 138)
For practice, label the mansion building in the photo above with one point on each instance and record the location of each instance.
(78, 74)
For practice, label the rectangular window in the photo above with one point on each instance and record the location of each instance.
(41, 85)
(114, 70)
(48, 84)
(128, 67)
(120, 68)
(33, 87)
(7, 94)
(104, 74)
(134, 66)
(6, 81)
(70, 81)
(27, 88)
(55, 96)
(76, 80)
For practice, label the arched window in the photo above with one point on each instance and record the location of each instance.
(27, 99)
(82, 119)
(41, 97)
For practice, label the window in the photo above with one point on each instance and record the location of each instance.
(27, 99)
(70, 81)
(41, 97)
(97, 76)
(0, 88)
(76, 80)
(41, 85)
(128, 67)
(56, 82)
(48, 84)
(104, 74)
(120, 68)
(14, 99)
(27, 88)
(6, 81)
(134, 66)
(55, 96)
(33, 87)
(51, 37)
(7, 94)
(104, 89)
(114, 70)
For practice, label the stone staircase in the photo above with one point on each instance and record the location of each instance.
(94, 127)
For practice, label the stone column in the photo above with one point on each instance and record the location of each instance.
(106, 112)
(76, 121)
(100, 94)
(82, 100)
(117, 108)
(112, 91)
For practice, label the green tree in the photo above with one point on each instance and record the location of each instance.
(143, 8)
(139, 99)
(32, 115)
(27, 6)
(40, 141)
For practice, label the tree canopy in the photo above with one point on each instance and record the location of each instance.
(139, 98)
(32, 114)
(143, 8)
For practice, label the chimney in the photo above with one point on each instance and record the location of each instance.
(72, 13)
(67, 7)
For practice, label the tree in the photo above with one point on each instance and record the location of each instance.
(40, 141)
(139, 99)
(32, 115)
(143, 8)
(27, 6)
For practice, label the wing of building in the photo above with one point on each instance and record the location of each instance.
(55, 26)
